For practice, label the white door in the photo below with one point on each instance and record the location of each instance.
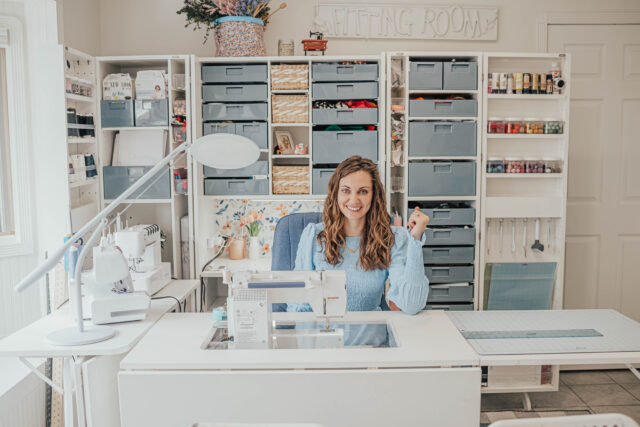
(603, 206)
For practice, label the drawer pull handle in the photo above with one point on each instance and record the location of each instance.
(441, 271)
(117, 105)
(344, 136)
(325, 173)
(234, 108)
(441, 252)
(442, 214)
(426, 67)
(345, 113)
(234, 90)
(442, 128)
(442, 168)
(443, 292)
(444, 234)
(345, 69)
(233, 71)
(460, 67)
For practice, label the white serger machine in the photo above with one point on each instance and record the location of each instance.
(140, 245)
(252, 294)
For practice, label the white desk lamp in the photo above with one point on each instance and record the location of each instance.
(221, 151)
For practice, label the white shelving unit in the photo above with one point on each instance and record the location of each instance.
(398, 173)
(80, 77)
(301, 132)
(166, 213)
(512, 199)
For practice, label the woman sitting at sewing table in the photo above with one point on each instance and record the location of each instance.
(356, 236)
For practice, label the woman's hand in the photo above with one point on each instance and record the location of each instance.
(417, 223)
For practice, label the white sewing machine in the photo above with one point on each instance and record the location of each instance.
(108, 291)
(140, 245)
(251, 296)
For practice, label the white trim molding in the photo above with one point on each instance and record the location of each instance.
(581, 18)
(21, 241)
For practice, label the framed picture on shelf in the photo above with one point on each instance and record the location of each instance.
(285, 142)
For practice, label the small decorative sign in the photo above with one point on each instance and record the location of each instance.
(446, 22)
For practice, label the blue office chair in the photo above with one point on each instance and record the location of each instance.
(285, 242)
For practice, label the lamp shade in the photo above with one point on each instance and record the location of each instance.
(225, 151)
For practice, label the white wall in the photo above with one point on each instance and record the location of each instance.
(80, 24)
(129, 27)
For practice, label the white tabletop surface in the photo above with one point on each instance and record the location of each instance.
(216, 267)
(428, 339)
(29, 341)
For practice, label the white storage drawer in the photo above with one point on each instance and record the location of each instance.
(257, 131)
(442, 138)
(448, 255)
(235, 186)
(450, 216)
(345, 90)
(334, 147)
(234, 73)
(260, 167)
(351, 116)
(447, 294)
(344, 72)
(152, 112)
(234, 93)
(443, 107)
(425, 75)
(116, 113)
(321, 177)
(454, 236)
(442, 179)
(216, 111)
(449, 274)
(460, 75)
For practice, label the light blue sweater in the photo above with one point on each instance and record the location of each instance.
(408, 287)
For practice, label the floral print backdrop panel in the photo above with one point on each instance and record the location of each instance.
(229, 215)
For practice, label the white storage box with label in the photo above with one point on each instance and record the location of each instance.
(117, 86)
(151, 84)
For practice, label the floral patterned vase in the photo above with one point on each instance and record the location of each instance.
(239, 36)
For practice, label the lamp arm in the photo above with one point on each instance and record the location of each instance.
(78, 270)
(46, 266)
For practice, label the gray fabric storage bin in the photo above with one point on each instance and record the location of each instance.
(443, 107)
(425, 75)
(460, 75)
(321, 177)
(448, 294)
(152, 112)
(116, 113)
(442, 179)
(257, 132)
(217, 111)
(235, 186)
(117, 179)
(442, 138)
(335, 146)
(450, 236)
(345, 90)
(234, 93)
(449, 274)
(351, 116)
(343, 72)
(452, 216)
(448, 255)
(450, 307)
(234, 73)
(261, 167)
(209, 128)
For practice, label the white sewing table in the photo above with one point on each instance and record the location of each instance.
(97, 403)
(433, 377)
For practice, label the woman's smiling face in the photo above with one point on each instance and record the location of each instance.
(355, 194)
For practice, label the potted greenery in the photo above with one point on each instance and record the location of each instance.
(238, 24)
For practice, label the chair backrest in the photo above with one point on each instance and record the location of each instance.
(595, 420)
(287, 236)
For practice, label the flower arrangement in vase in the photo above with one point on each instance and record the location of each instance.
(239, 24)
(253, 224)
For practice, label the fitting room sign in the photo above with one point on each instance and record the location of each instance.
(450, 22)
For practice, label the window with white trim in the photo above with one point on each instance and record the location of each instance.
(6, 200)
(16, 226)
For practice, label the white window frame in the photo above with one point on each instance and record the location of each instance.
(20, 242)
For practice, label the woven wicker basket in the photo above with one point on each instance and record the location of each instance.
(290, 179)
(290, 76)
(289, 109)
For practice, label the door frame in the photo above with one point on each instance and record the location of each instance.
(580, 18)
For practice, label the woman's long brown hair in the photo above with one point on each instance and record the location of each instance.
(377, 237)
